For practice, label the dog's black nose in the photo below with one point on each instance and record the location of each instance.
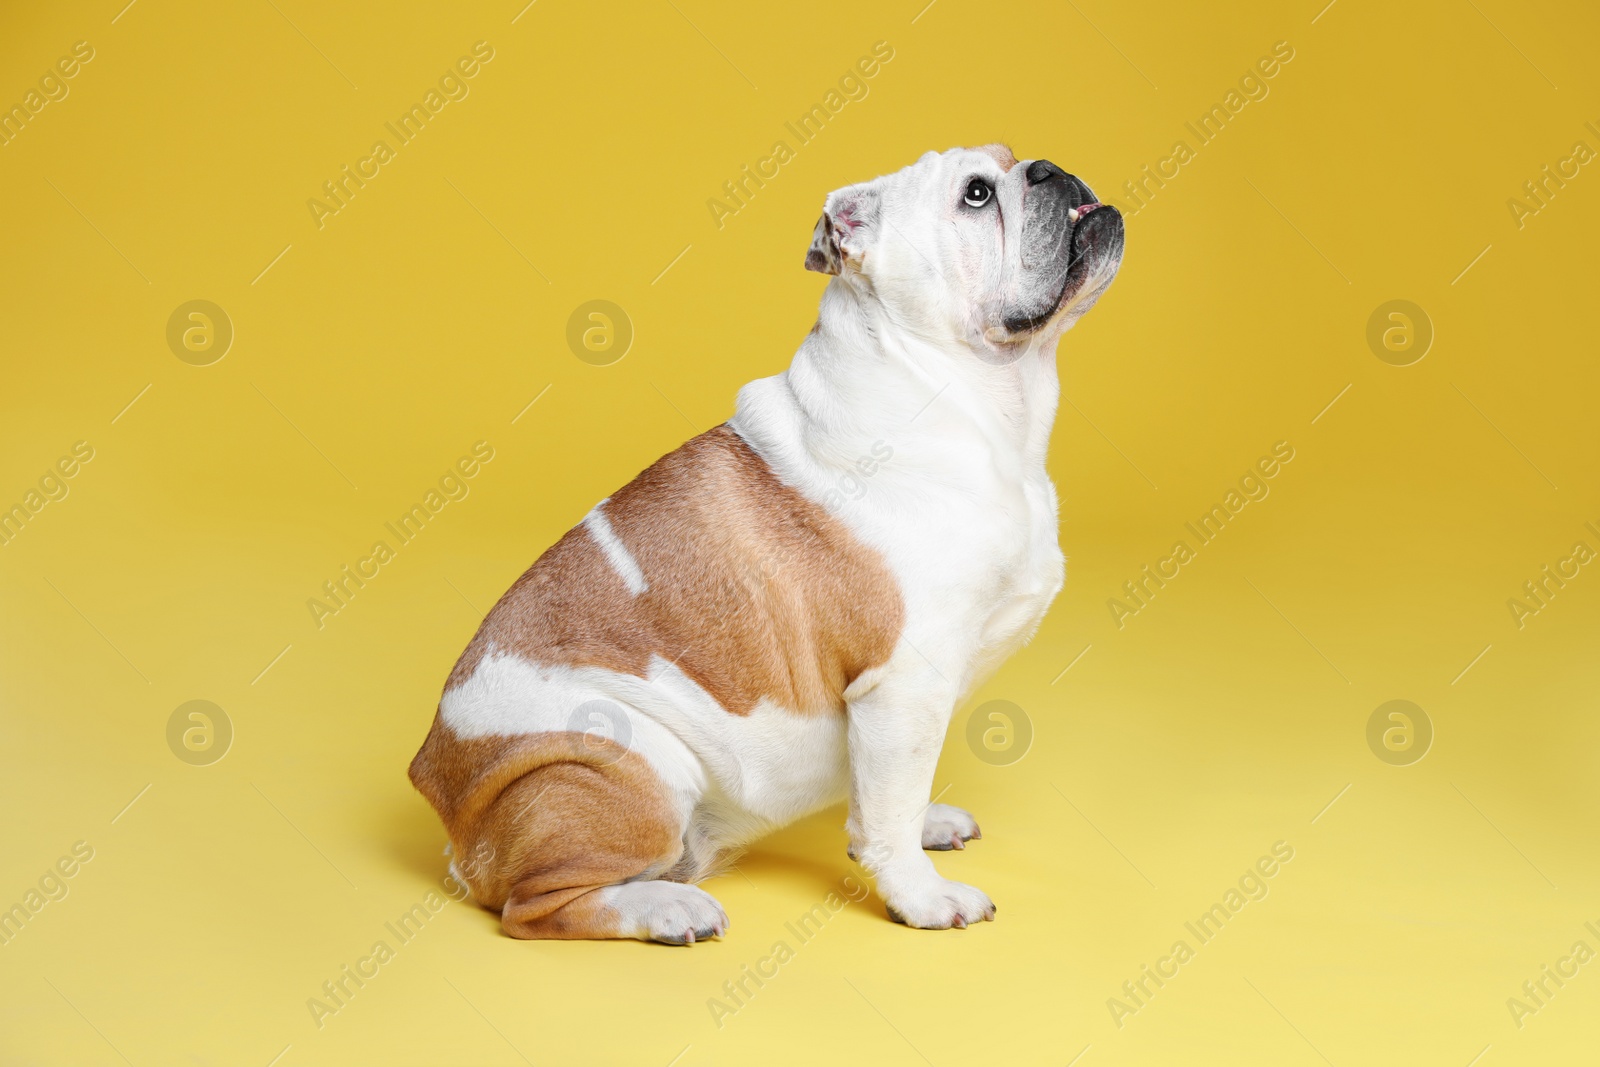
(1071, 186)
(1042, 170)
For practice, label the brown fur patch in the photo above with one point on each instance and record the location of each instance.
(1000, 153)
(539, 821)
(754, 590)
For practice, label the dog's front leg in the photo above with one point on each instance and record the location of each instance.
(895, 733)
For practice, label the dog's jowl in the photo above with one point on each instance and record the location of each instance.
(727, 644)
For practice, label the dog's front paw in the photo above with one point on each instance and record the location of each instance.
(938, 904)
(945, 828)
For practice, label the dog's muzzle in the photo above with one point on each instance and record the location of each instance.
(1066, 235)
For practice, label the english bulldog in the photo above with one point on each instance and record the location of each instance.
(786, 611)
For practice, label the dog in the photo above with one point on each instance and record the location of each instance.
(785, 612)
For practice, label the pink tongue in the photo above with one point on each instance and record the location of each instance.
(1086, 208)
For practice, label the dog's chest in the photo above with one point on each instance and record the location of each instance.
(1028, 579)
(984, 570)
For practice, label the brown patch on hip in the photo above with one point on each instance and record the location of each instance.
(754, 591)
(539, 821)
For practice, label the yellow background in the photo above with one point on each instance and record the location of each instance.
(429, 312)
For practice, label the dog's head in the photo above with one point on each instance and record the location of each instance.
(973, 246)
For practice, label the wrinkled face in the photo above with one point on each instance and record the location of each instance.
(973, 246)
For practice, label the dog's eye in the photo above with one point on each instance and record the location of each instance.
(978, 193)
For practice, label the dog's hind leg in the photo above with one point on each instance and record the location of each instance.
(574, 838)
(669, 912)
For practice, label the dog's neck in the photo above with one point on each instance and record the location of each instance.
(860, 377)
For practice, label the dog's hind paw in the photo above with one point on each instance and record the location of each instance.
(669, 912)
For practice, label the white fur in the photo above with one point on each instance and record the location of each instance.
(665, 911)
(965, 515)
(615, 551)
(735, 777)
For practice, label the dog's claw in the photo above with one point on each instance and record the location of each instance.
(945, 828)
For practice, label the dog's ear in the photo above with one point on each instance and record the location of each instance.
(846, 229)
(823, 255)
